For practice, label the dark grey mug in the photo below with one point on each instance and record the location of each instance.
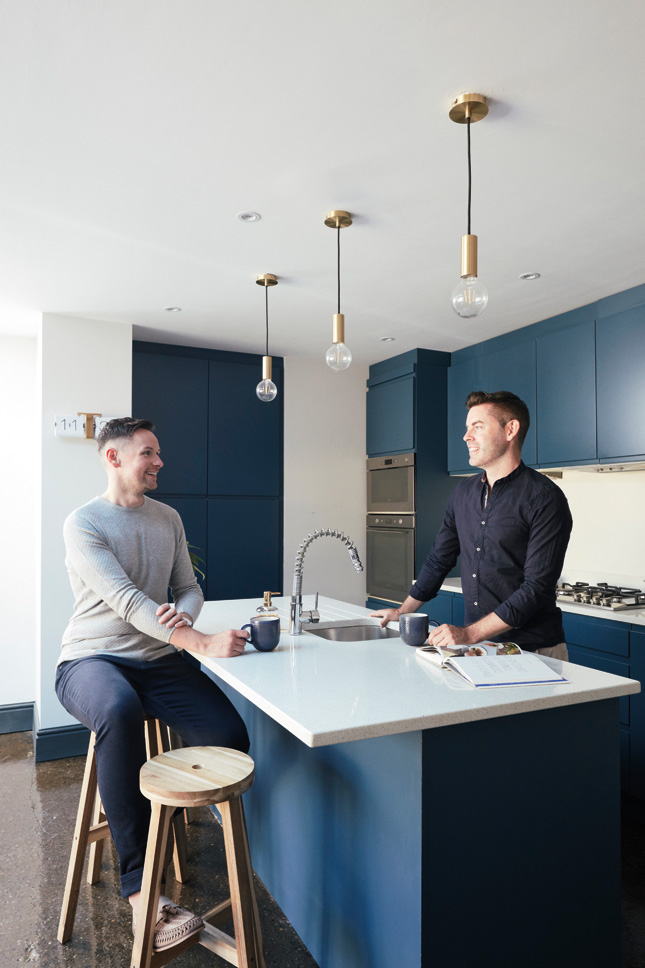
(413, 628)
(264, 632)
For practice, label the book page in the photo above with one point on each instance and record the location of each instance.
(504, 670)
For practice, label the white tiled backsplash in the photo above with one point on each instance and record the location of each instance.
(608, 538)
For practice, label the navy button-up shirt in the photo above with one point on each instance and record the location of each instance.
(512, 540)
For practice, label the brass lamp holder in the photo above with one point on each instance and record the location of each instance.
(268, 279)
(338, 219)
(468, 107)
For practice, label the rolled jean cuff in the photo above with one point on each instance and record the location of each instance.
(131, 882)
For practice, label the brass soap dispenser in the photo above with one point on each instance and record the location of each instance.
(267, 608)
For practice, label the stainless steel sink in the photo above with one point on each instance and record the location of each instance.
(357, 630)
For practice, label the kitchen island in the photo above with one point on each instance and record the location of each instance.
(401, 817)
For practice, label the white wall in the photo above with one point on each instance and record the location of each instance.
(83, 365)
(324, 475)
(18, 496)
(608, 538)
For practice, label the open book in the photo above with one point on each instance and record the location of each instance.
(492, 664)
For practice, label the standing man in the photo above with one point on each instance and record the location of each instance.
(511, 526)
(122, 650)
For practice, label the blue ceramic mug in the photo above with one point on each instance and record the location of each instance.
(264, 632)
(413, 628)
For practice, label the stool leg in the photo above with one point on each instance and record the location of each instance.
(246, 921)
(150, 887)
(96, 848)
(89, 792)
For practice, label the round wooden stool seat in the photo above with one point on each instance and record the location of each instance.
(197, 776)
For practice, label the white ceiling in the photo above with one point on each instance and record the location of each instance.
(134, 131)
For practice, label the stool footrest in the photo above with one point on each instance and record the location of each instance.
(98, 832)
(220, 914)
(219, 943)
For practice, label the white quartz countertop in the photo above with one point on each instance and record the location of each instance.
(328, 692)
(632, 616)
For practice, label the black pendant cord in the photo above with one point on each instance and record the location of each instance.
(338, 236)
(266, 304)
(469, 175)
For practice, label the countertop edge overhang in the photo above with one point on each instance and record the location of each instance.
(380, 689)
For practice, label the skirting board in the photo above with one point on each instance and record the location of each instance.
(61, 741)
(16, 717)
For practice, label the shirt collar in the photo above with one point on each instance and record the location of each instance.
(521, 467)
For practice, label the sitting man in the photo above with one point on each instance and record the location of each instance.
(122, 650)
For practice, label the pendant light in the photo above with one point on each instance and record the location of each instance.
(266, 388)
(469, 297)
(338, 356)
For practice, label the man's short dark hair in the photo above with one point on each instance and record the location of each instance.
(121, 428)
(507, 407)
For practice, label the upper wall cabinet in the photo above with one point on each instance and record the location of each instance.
(245, 456)
(180, 416)
(566, 395)
(463, 378)
(390, 416)
(620, 370)
(509, 368)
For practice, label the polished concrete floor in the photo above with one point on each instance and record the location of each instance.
(37, 810)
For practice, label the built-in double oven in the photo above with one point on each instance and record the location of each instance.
(391, 509)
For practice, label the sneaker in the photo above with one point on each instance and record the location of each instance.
(173, 926)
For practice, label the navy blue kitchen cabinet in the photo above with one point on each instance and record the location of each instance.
(609, 647)
(620, 366)
(222, 449)
(463, 377)
(566, 395)
(172, 392)
(244, 547)
(499, 367)
(637, 712)
(245, 456)
(391, 416)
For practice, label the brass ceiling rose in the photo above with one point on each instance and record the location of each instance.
(338, 220)
(467, 106)
(268, 279)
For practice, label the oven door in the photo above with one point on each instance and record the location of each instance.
(389, 568)
(390, 485)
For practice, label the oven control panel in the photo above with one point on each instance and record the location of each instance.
(390, 520)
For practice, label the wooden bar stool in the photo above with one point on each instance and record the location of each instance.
(92, 830)
(191, 777)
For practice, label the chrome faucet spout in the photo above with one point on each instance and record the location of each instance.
(296, 613)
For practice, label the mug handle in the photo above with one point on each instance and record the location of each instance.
(249, 626)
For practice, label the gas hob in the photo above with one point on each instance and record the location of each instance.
(612, 597)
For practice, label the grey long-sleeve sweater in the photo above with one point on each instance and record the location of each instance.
(121, 562)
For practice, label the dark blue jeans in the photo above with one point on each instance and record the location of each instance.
(110, 695)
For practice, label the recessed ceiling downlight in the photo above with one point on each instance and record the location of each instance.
(387, 339)
(172, 309)
(249, 216)
(530, 275)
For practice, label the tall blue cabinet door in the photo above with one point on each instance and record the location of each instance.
(463, 378)
(513, 369)
(390, 417)
(620, 363)
(192, 511)
(244, 548)
(172, 392)
(245, 434)
(566, 393)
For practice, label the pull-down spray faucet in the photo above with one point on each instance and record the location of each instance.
(296, 614)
